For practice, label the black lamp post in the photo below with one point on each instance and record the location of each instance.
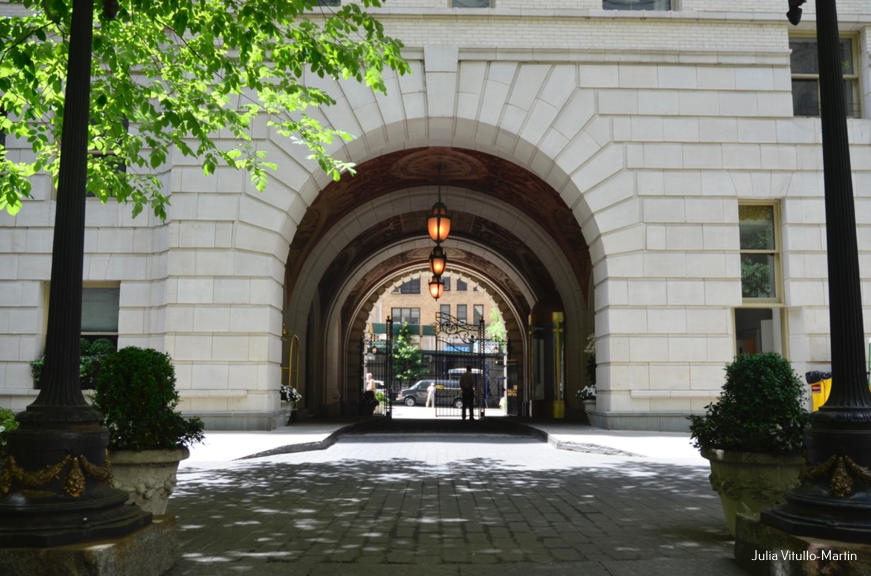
(55, 483)
(834, 501)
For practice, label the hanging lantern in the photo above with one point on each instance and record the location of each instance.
(436, 287)
(439, 223)
(438, 260)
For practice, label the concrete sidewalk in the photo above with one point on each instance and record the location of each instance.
(223, 447)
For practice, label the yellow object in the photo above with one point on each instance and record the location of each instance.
(820, 392)
(559, 409)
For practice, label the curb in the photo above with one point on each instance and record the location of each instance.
(331, 439)
(379, 425)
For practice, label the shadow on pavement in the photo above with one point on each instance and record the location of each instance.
(355, 516)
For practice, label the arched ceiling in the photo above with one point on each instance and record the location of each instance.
(362, 297)
(466, 226)
(475, 172)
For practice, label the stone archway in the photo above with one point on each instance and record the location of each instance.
(510, 229)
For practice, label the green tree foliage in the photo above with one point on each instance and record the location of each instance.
(408, 363)
(495, 329)
(170, 76)
(755, 278)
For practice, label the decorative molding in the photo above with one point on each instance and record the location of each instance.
(73, 484)
(842, 472)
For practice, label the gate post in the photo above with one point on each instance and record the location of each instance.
(388, 368)
(482, 366)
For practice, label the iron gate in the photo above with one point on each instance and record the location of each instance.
(377, 361)
(458, 346)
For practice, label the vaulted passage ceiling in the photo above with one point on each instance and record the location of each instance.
(476, 173)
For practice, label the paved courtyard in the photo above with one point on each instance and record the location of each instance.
(460, 503)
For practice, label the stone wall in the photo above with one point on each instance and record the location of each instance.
(652, 129)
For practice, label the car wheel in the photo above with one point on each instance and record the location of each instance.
(409, 401)
(458, 403)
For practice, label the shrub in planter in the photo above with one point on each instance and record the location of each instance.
(137, 396)
(147, 436)
(759, 410)
(753, 435)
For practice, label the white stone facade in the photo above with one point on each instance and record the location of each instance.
(653, 127)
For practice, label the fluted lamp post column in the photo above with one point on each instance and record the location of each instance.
(54, 487)
(834, 500)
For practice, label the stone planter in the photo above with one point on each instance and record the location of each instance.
(589, 406)
(149, 476)
(750, 482)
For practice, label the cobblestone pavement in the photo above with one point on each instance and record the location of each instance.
(449, 504)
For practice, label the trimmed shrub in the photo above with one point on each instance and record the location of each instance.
(760, 409)
(137, 396)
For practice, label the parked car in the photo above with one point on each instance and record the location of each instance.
(447, 393)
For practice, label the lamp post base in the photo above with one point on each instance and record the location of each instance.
(762, 549)
(834, 500)
(150, 551)
(55, 484)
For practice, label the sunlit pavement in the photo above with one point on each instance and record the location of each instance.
(468, 502)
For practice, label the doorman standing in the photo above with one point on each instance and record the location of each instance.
(467, 384)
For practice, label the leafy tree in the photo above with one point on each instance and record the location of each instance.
(495, 329)
(408, 363)
(170, 76)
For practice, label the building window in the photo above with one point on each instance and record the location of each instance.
(100, 313)
(759, 252)
(444, 310)
(409, 287)
(759, 323)
(758, 330)
(407, 315)
(462, 312)
(636, 4)
(100, 305)
(806, 77)
(446, 280)
(329, 2)
(461, 286)
(477, 313)
(470, 4)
